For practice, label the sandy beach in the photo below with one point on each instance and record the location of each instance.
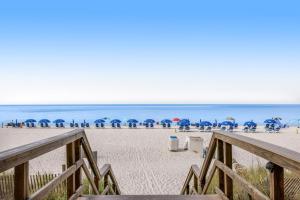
(139, 157)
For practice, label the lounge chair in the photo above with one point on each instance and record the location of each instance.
(130, 125)
(134, 125)
(207, 129)
(164, 125)
(118, 125)
(147, 125)
(223, 128)
(151, 125)
(201, 128)
(57, 125)
(97, 125)
(113, 125)
(180, 128)
(102, 125)
(277, 129)
(46, 125)
(246, 129)
(76, 125)
(87, 125)
(169, 125)
(42, 125)
(32, 124)
(230, 129)
(62, 125)
(82, 125)
(187, 128)
(71, 125)
(252, 129)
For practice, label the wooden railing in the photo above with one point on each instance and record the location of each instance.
(221, 143)
(19, 157)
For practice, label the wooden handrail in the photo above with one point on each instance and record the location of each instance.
(279, 158)
(19, 157)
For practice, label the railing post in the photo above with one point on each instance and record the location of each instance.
(96, 179)
(228, 163)
(70, 162)
(105, 180)
(221, 159)
(77, 149)
(21, 181)
(196, 183)
(276, 181)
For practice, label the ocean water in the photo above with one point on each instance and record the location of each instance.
(289, 113)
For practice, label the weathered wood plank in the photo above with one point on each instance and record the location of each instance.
(281, 156)
(207, 161)
(250, 189)
(277, 183)
(16, 156)
(70, 161)
(151, 197)
(21, 181)
(46, 189)
(89, 176)
(77, 193)
(221, 159)
(228, 163)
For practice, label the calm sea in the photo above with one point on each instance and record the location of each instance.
(242, 113)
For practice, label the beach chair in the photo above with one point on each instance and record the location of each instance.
(62, 125)
(87, 125)
(71, 125)
(32, 124)
(230, 129)
(277, 129)
(180, 128)
(246, 129)
(164, 125)
(57, 125)
(147, 125)
(118, 125)
(46, 125)
(82, 125)
(102, 125)
(223, 128)
(169, 125)
(151, 125)
(207, 129)
(187, 128)
(42, 125)
(252, 129)
(130, 125)
(97, 125)
(134, 125)
(201, 128)
(113, 125)
(76, 125)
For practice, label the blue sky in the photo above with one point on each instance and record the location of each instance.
(149, 52)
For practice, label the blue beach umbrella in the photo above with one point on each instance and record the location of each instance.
(227, 123)
(205, 123)
(270, 121)
(250, 123)
(166, 121)
(44, 121)
(57, 121)
(132, 121)
(99, 121)
(149, 121)
(30, 121)
(184, 122)
(115, 121)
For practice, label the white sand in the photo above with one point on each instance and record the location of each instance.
(140, 158)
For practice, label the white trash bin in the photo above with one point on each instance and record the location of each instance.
(173, 143)
(195, 144)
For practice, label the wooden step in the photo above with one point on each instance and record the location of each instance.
(151, 197)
